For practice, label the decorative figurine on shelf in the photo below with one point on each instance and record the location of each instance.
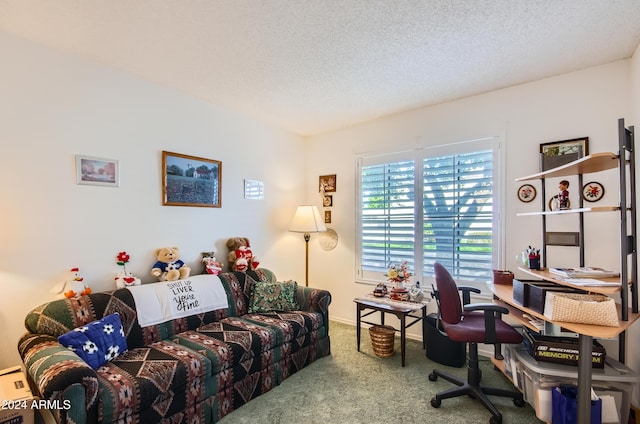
(124, 278)
(398, 274)
(380, 290)
(563, 196)
(74, 285)
(211, 264)
(416, 294)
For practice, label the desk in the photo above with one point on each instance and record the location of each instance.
(402, 310)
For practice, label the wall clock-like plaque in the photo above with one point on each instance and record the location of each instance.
(526, 193)
(592, 192)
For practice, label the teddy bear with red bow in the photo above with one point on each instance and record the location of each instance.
(241, 256)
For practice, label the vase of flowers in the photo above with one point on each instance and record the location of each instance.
(398, 275)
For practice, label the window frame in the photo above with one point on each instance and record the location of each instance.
(493, 143)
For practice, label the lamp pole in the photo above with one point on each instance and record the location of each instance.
(307, 237)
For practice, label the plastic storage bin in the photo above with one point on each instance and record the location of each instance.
(536, 379)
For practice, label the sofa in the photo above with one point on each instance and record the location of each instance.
(194, 369)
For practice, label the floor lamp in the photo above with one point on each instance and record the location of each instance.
(307, 220)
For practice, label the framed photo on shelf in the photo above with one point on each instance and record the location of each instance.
(558, 153)
(327, 183)
(191, 181)
(97, 171)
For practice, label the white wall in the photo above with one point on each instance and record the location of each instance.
(54, 106)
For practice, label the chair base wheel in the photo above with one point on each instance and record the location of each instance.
(495, 420)
(433, 377)
(435, 402)
(518, 402)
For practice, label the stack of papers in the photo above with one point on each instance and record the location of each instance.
(583, 272)
(590, 282)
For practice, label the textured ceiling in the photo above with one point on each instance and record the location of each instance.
(311, 66)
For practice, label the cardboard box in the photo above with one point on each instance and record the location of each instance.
(561, 350)
(16, 397)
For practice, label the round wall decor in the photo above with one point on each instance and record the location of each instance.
(526, 193)
(592, 192)
(328, 239)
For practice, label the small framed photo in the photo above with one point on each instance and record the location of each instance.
(191, 181)
(526, 193)
(327, 200)
(558, 153)
(592, 192)
(327, 217)
(327, 183)
(97, 171)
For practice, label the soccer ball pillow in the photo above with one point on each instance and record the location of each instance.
(97, 342)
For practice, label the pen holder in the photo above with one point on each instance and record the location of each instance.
(534, 262)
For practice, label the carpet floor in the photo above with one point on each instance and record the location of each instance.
(350, 387)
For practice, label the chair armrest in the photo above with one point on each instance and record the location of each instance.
(466, 293)
(314, 300)
(492, 312)
(55, 372)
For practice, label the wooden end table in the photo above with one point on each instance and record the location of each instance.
(402, 310)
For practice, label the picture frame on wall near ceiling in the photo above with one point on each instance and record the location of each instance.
(92, 170)
(558, 153)
(327, 183)
(191, 181)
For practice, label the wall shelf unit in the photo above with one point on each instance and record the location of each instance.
(628, 289)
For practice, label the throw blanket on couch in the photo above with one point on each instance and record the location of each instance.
(160, 302)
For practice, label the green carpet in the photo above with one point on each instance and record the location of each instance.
(358, 387)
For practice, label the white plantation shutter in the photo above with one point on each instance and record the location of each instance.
(428, 206)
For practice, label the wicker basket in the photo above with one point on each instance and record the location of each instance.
(592, 309)
(382, 338)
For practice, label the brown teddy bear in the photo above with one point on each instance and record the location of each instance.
(169, 267)
(240, 254)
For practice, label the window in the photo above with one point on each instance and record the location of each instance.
(428, 205)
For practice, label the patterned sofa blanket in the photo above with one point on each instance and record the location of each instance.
(196, 368)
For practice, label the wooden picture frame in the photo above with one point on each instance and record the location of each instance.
(327, 200)
(191, 181)
(91, 170)
(327, 183)
(327, 217)
(558, 153)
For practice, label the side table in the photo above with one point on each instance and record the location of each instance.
(416, 312)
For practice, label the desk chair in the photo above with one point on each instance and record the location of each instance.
(472, 324)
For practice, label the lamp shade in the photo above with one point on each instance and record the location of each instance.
(307, 220)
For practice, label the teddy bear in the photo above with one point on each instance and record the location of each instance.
(240, 254)
(211, 264)
(74, 285)
(169, 267)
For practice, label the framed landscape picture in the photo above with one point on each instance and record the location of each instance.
(558, 153)
(191, 181)
(97, 171)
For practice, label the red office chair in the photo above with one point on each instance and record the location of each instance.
(476, 323)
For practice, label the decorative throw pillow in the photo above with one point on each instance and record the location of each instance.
(97, 342)
(267, 297)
